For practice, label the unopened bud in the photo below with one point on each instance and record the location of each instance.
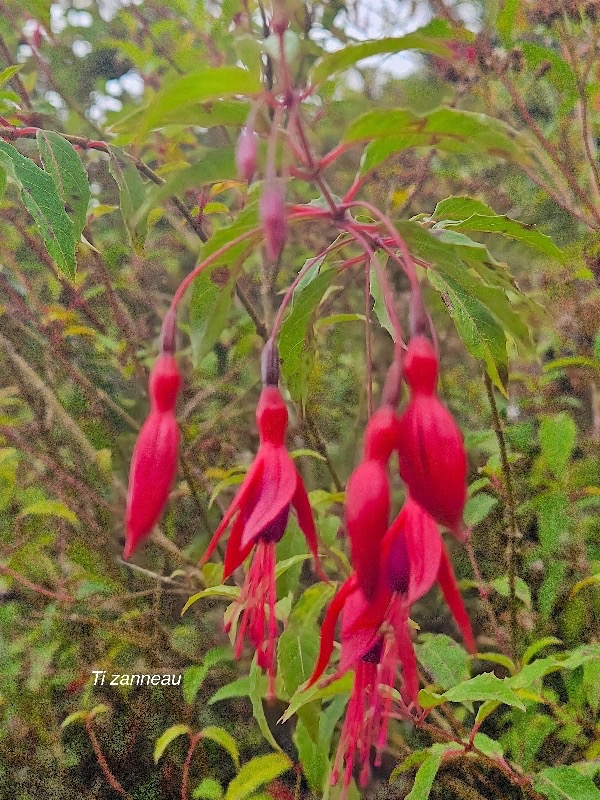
(273, 217)
(245, 154)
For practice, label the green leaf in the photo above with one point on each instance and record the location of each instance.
(224, 739)
(511, 229)
(331, 63)
(227, 592)
(522, 591)
(238, 688)
(193, 677)
(535, 648)
(43, 201)
(488, 746)
(297, 655)
(427, 771)
(76, 716)
(459, 207)
(256, 773)
(484, 687)
(258, 687)
(132, 195)
(557, 436)
(209, 83)
(483, 337)
(295, 337)
(553, 521)
(210, 305)
(446, 128)
(50, 508)
(445, 660)
(379, 306)
(208, 789)
(283, 566)
(565, 783)
(497, 658)
(506, 20)
(205, 115)
(341, 686)
(63, 164)
(8, 73)
(478, 508)
(166, 738)
(313, 757)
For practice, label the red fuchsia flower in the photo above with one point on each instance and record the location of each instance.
(367, 503)
(431, 452)
(273, 217)
(154, 462)
(375, 634)
(259, 513)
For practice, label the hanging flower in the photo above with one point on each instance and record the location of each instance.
(431, 451)
(154, 461)
(258, 516)
(367, 503)
(375, 634)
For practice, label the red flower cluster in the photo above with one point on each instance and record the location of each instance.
(395, 566)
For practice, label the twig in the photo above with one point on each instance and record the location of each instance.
(102, 763)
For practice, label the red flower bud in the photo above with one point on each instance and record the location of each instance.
(431, 451)
(154, 461)
(273, 216)
(368, 499)
(245, 154)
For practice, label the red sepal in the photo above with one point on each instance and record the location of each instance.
(449, 587)
(328, 628)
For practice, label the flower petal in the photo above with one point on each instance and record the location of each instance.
(449, 587)
(361, 622)
(424, 547)
(328, 628)
(307, 524)
(250, 482)
(277, 487)
(234, 555)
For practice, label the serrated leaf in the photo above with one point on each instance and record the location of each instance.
(483, 337)
(511, 229)
(255, 773)
(565, 783)
(224, 739)
(478, 508)
(50, 508)
(63, 164)
(484, 687)
(445, 660)
(132, 195)
(166, 738)
(43, 201)
(331, 63)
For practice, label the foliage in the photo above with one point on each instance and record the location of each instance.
(118, 174)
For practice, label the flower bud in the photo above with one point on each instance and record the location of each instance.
(245, 154)
(273, 217)
(431, 452)
(154, 460)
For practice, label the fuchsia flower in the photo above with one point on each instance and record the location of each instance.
(431, 452)
(367, 505)
(273, 217)
(375, 633)
(154, 461)
(259, 513)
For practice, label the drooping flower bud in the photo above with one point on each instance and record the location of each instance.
(273, 217)
(431, 451)
(245, 154)
(367, 504)
(154, 460)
